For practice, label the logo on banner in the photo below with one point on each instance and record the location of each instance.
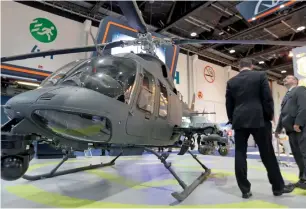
(43, 30)
(209, 74)
(266, 5)
(36, 49)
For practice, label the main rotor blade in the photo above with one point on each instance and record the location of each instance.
(245, 42)
(62, 51)
(132, 13)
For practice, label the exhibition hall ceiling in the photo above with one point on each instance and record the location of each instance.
(208, 20)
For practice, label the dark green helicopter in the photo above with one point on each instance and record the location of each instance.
(110, 102)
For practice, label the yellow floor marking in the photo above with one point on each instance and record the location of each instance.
(167, 182)
(139, 185)
(114, 178)
(129, 183)
(288, 176)
(155, 183)
(34, 194)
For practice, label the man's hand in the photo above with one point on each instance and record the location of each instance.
(297, 128)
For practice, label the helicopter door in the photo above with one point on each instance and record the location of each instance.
(140, 119)
(162, 130)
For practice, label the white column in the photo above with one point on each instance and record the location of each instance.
(87, 28)
(194, 59)
(227, 72)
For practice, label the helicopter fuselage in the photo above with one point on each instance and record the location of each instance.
(79, 115)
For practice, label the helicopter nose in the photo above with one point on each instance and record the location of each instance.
(17, 105)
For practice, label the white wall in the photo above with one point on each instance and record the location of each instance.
(214, 93)
(17, 39)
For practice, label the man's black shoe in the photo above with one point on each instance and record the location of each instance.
(287, 189)
(301, 184)
(247, 195)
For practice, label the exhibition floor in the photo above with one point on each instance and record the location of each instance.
(142, 181)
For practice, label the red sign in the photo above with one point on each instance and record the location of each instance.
(209, 74)
(200, 95)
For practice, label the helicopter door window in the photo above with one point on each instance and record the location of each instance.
(163, 101)
(147, 92)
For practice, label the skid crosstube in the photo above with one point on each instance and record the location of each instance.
(53, 172)
(187, 190)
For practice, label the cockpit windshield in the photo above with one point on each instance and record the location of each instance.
(60, 73)
(110, 75)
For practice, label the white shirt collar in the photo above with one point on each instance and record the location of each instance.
(245, 68)
(291, 88)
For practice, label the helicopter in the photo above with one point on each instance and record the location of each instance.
(110, 102)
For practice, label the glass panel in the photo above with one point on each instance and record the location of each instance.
(163, 103)
(74, 125)
(110, 75)
(147, 92)
(60, 73)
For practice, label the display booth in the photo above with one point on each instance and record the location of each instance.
(299, 64)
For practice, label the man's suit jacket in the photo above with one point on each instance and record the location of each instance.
(249, 101)
(293, 110)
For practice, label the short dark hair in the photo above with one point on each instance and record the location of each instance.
(245, 62)
(295, 78)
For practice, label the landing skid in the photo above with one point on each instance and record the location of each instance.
(54, 172)
(187, 190)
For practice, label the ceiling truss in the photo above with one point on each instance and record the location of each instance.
(221, 21)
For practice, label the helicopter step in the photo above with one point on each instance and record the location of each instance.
(187, 190)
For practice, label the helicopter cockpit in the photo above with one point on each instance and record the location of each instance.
(110, 75)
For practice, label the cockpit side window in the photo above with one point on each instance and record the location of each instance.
(163, 101)
(147, 93)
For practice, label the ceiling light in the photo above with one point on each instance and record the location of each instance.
(28, 83)
(254, 18)
(221, 33)
(193, 34)
(290, 54)
(300, 28)
(282, 6)
(284, 71)
(261, 62)
(232, 51)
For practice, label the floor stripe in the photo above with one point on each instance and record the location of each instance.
(153, 183)
(287, 176)
(140, 185)
(34, 194)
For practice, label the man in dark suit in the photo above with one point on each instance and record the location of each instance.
(293, 119)
(250, 109)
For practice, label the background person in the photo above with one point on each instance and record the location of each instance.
(293, 120)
